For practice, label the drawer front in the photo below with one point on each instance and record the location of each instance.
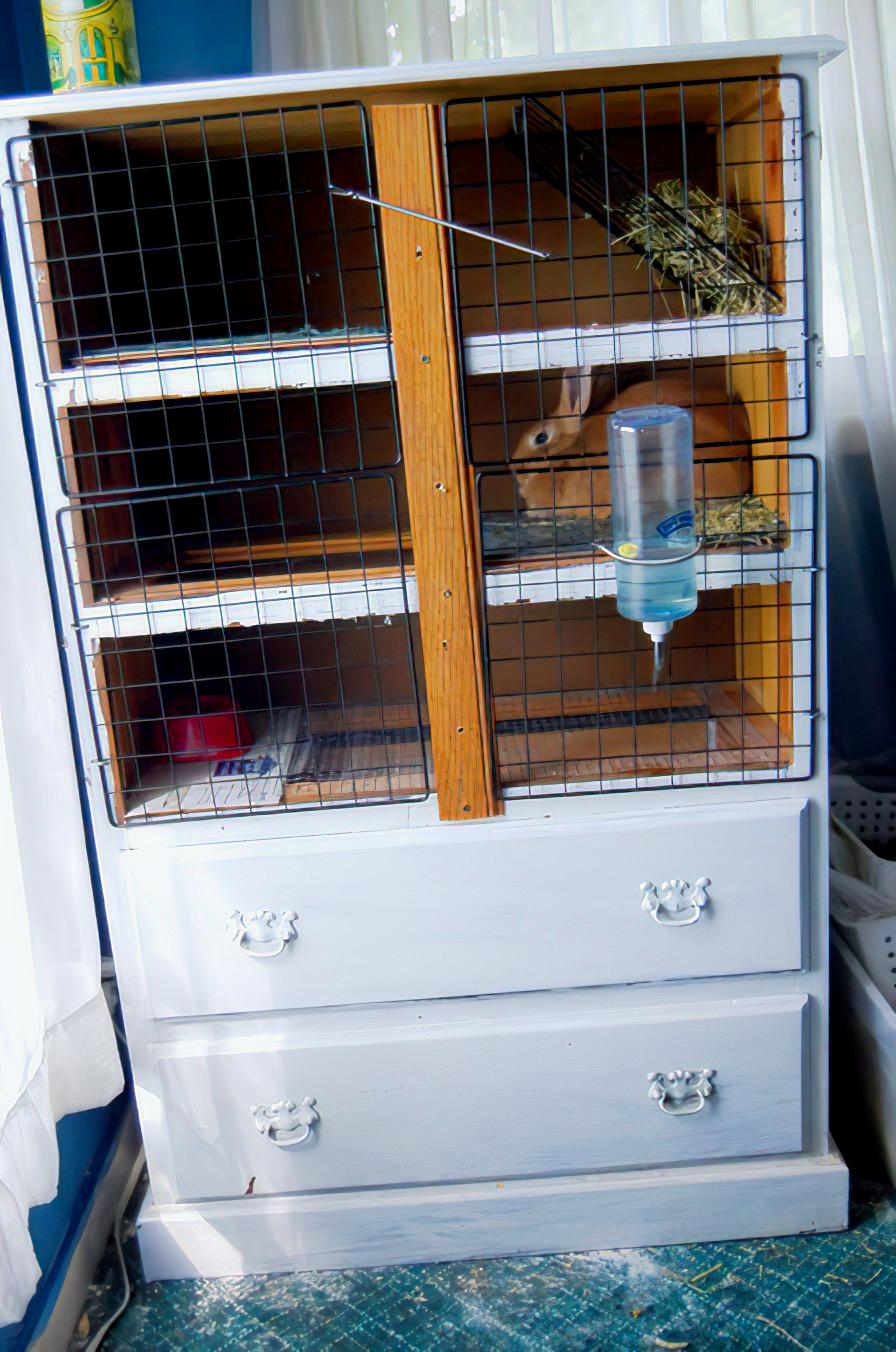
(480, 1097)
(420, 914)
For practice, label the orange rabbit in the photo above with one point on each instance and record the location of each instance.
(721, 434)
(566, 432)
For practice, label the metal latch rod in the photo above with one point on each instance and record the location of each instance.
(436, 220)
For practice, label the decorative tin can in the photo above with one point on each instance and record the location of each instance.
(90, 43)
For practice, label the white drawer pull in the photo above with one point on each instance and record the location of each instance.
(675, 902)
(680, 1092)
(261, 934)
(287, 1123)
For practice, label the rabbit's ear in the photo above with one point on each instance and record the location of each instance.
(575, 392)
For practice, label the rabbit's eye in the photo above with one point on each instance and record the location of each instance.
(540, 438)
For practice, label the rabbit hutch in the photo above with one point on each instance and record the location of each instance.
(394, 809)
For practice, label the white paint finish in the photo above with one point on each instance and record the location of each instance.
(764, 1201)
(299, 602)
(368, 1229)
(115, 104)
(475, 911)
(581, 581)
(665, 340)
(501, 1098)
(299, 367)
(393, 595)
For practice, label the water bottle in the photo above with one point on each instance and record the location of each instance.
(652, 495)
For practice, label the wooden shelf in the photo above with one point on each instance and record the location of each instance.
(165, 606)
(734, 736)
(365, 754)
(580, 579)
(665, 340)
(281, 364)
(367, 359)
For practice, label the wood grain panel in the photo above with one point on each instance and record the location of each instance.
(442, 520)
(43, 295)
(763, 633)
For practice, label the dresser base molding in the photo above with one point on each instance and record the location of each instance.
(376, 1227)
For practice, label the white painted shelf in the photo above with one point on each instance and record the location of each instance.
(347, 599)
(354, 598)
(666, 340)
(597, 577)
(304, 366)
(370, 363)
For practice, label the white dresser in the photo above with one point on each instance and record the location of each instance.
(440, 930)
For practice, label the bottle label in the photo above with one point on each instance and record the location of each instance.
(678, 521)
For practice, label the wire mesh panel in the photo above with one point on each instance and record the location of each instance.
(576, 702)
(204, 255)
(211, 439)
(258, 652)
(671, 223)
(189, 543)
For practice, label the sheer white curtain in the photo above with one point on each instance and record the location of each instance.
(859, 245)
(58, 1052)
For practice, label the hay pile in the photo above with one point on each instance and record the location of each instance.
(721, 277)
(725, 523)
(740, 521)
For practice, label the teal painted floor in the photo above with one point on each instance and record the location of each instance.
(827, 1292)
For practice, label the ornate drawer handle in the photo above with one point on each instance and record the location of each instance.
(287, 1123)
(675, 902)
(261, 934)
(680, 1092)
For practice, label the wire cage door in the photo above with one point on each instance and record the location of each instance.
(203, 256)
(575, 701)
(671, 223)
(250, 649)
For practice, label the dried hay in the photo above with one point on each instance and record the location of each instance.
(720, 280)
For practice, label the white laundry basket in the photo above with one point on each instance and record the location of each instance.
(863, 982)
(863, 905)
(870, 815)
(863, 1033)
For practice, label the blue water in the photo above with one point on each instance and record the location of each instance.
(667, 593)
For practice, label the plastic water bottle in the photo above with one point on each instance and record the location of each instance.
(652, 493)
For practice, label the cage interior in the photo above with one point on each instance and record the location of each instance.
(578, 704)
(197, 232)
(575, 707)
(335, 532)
(118, 448)
(738, 405)
(741, 468)
(249, 719)
(654, 202)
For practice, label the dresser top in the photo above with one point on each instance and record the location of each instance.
(434, 82)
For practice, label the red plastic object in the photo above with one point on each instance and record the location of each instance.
(219, 731)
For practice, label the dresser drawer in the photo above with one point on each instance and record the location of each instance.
(439, 1093)
(418, 914)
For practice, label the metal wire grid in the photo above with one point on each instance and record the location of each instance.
(219, 438)
(259, 652)
(193, 256)
(565, 172)
(574, 706)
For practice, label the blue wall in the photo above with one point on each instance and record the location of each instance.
(177, 40)
(186, 40)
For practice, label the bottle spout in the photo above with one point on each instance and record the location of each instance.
(657, 631)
